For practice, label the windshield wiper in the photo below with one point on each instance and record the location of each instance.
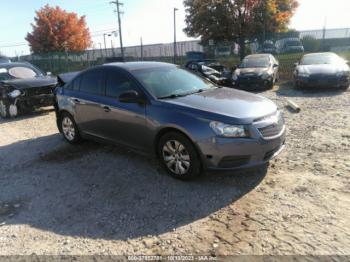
(181, 95)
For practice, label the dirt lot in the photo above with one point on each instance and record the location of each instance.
(96, 199)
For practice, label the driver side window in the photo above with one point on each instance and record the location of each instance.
(118, 83)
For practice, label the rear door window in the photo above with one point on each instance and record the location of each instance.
(91, 82)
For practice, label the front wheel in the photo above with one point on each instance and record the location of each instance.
(69, 129)
(8, 110)
(179, 156)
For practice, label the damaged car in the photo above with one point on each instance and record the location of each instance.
(322, 70)
(212, 70)
(23, 87)
(258, 72)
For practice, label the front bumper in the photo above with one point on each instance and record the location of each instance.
(323, 81)
(253, 83)
(35, 101)
(219, 153)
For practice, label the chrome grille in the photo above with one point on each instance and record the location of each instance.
(272, 126)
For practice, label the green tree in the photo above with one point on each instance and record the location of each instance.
(237, 20)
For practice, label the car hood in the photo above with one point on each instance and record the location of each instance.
(31, 82)
(251, 71)
(238, 105)
(322, 69)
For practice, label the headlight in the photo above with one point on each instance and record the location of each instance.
(225, 130)
(14, 94)
(265, 76)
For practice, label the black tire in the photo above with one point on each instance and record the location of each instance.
(4, 109)
(71, 137)
(187, 154)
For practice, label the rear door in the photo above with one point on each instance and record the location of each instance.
(89, 101)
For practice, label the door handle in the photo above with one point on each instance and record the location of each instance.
(106, 109)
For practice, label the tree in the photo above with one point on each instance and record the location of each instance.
(57, 30)
(237, 20)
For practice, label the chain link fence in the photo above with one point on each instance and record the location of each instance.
(287, 47)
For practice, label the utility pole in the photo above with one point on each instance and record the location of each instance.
(118, 4)
(104, 40)
(175, 9)
(101, 49)
(141, 49)
(324, 34)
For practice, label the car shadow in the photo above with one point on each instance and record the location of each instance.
(287, 89)
(107, 192)
(27, 115)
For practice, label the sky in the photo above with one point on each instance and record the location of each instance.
(150, 19)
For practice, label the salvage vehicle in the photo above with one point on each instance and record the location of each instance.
(188, 122)
(289, 45)
(24, 87)
(258, 71)
(268, 47)
(322, 70)
(212, 70)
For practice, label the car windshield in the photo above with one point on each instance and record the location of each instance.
(252, 62)
(167, 82)
(321, 59)
(18, 72)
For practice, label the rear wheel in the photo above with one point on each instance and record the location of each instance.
(69, 128)
(179, 156)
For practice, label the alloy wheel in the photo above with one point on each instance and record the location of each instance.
(176, 157)
(68, 128)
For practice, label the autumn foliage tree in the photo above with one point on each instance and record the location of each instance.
(56, 30)
(237, 20)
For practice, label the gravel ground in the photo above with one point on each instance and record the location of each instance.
(97, 199)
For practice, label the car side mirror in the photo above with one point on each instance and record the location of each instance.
(130, 97)
(275, 65)
(296, 64)
(48, 73)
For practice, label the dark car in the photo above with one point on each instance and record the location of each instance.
(24, 87)
(258, 71)
(212, 70)
(322, 70)
(268, 47)
(4, 59)
(190, 123)
(289, 45)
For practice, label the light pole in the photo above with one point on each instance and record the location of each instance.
(175, 9)
(101, 49)
(104, 40)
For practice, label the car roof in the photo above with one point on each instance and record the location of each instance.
(134, 66)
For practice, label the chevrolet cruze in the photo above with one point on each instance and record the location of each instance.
(188, 122)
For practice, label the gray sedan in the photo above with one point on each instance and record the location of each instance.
(187, 121)
(322, 70)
